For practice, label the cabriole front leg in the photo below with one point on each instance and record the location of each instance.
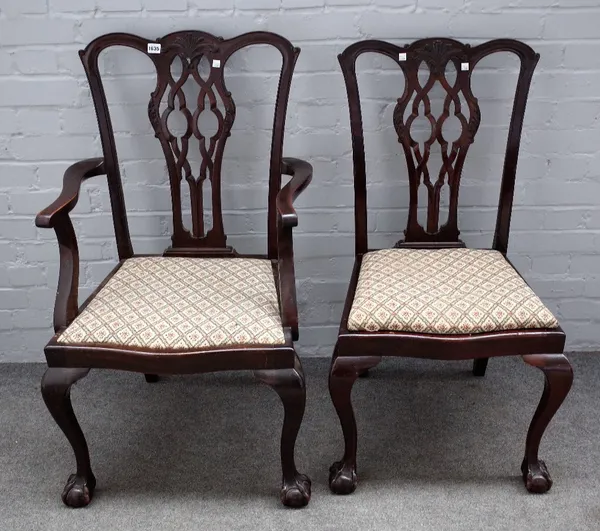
(558, 375)
(344, 372)
(289, 385)
(56, 391)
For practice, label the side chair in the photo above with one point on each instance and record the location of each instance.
(429, 296)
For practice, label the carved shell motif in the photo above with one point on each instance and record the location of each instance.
(437, 53)
(191, 45)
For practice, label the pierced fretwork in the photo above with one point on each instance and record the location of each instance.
(436, 56)
(190, 49)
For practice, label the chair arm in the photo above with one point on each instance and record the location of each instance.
(66, 201)
(287, 218)
(301, 172)
(57, 216)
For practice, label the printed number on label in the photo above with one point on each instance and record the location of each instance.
(153, 47)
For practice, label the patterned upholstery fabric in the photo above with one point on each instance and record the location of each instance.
(445, 291)
(183, 303)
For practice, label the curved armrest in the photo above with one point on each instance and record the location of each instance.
(287, 218)
(56, 216)
(301, 172)
(66, 201)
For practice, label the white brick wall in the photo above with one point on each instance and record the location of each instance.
(47, 122)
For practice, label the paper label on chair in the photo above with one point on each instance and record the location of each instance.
(216, 63)
(402, 56)
(464, 66)
(154, 47)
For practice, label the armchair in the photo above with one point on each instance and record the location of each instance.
(201, 306)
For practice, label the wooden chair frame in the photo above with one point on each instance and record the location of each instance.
(356, 352)
(277, 366)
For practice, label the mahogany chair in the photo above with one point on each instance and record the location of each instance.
(200, 306)
(430, 296)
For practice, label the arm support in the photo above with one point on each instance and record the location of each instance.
(56, 216)
(287, 218)
(66, 201)
(301, 172)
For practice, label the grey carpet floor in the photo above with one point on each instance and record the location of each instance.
(438, 449)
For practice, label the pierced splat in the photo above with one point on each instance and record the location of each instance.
(190, 50)
(193, 152)
(428, 65)
(434, 57)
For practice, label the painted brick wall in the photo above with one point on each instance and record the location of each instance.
(47, 122)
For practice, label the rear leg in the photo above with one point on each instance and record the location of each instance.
(479, 366)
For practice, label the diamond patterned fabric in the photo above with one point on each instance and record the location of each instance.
(443, 291)
(183, 303)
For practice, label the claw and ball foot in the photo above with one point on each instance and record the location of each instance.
(536, 477)
(558, 379)
(342, 478)
(79, 490)
(289, 385)
(344, 372)
(295, 492)
(56, 391)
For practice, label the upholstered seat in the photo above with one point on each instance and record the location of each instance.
(183, 303)
(444, 291)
